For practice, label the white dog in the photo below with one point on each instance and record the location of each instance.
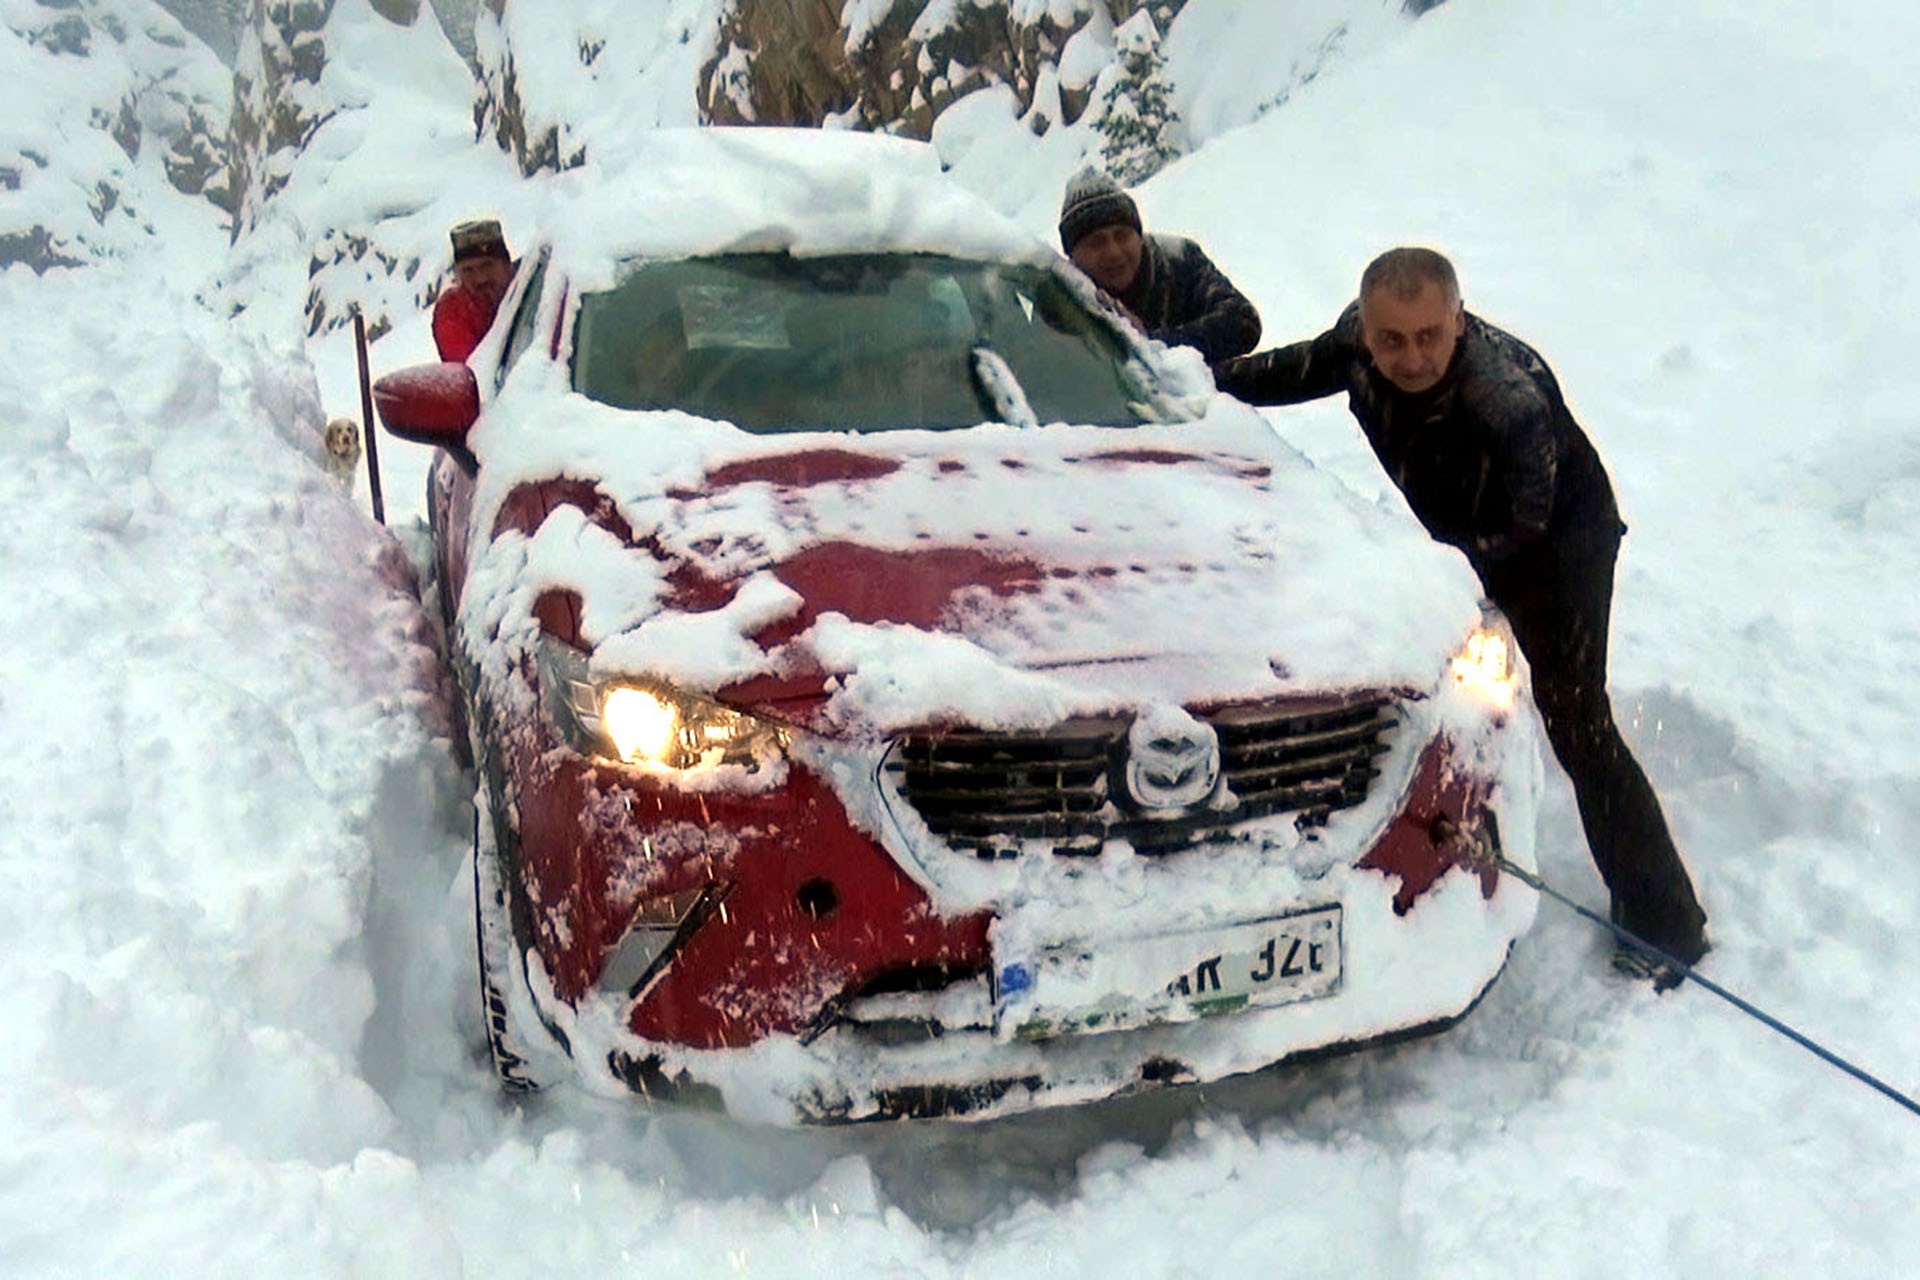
(342, 441)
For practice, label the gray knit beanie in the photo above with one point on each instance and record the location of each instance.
(1094, 200)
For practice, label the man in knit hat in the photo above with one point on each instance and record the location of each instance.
(482, 270)
(1165, 283)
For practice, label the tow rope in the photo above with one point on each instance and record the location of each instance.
(1689, 974)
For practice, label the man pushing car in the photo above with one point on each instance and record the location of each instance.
(1166, 284)
(1469, 423)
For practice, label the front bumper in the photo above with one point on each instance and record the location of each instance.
(886, 1005)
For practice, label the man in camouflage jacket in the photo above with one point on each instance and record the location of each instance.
(1469, 423)
(1165, 283)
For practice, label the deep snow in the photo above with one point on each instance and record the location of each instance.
(235, 963)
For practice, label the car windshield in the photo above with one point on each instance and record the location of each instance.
(774, 343)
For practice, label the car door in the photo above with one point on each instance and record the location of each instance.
(452, 480)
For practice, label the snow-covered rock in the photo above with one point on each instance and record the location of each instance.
(354, 149)
(112, 113)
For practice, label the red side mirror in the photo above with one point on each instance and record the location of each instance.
(429, 404)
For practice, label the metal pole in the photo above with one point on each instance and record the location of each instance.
(366, 416)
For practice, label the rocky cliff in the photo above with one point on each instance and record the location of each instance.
(896, 67)
(357, 130)
(353, 147)
(135, 112)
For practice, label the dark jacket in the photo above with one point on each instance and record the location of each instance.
(1490, 459)
(1184, 301)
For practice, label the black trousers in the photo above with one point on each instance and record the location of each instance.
(1558, 598)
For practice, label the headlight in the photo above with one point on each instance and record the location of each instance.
(1486, 664)
(649, 722)
(642, 724)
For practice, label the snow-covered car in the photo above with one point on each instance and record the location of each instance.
(898, 689)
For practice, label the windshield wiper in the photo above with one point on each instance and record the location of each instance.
(1004, 396)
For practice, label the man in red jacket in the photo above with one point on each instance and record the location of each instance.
(482, 270)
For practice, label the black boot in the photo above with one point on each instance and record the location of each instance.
(1677, 935)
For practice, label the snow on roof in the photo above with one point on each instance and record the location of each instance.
(684, 192)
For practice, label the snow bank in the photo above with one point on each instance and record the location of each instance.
(218, 699)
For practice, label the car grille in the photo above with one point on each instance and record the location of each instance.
(991, 792)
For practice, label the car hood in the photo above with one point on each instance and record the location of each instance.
(995, 576)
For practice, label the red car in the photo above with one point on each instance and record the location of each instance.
(899, 689)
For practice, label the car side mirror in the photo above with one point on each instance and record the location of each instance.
(432, 404)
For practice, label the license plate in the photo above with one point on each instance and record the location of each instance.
(1079, 988)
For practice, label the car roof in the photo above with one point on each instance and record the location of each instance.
(679, 193)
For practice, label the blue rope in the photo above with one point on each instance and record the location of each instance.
(1688, 973)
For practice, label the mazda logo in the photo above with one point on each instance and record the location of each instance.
(1173, 760)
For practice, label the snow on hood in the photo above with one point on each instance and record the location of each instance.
(993, 576)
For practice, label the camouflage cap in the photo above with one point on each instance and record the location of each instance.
(480, 238)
